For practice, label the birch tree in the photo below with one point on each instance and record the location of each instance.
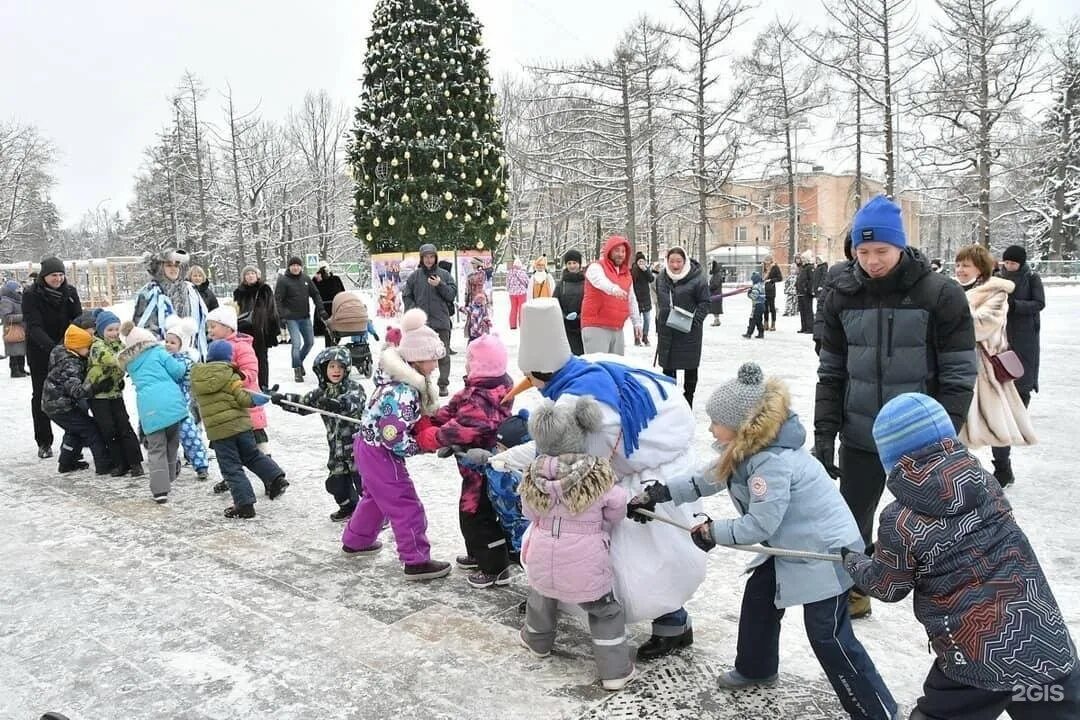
(26, 213)
(984, 66)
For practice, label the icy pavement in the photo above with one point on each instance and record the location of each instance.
(112, 607)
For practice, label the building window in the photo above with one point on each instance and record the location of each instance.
(740, 235)
(766, 234)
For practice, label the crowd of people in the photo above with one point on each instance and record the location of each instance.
(915, 370)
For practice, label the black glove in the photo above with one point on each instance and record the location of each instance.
(703, 535)
(278, 398)
(647, 499)
(825, 452)
(330, 405)
(844, 552)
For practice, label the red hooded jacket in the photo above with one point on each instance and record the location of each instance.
(598, 309)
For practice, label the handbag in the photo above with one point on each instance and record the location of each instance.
(14, 333)
(1007, 365)
(679, 319)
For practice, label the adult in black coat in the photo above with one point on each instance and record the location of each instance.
(682, 284)
(197, 277)
(329, 286)
(804, 291)
(48, 307)
(570, 291)
(771, 272)
(643, 277)
(1022, 326)
(716, 287)
(256, 314)
(292, 291)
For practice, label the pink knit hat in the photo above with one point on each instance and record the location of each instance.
(418, 341)
(486, 357)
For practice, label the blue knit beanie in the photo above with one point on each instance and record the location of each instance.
(878, 221)
(102, 320)
(219, 351)
(908, 423)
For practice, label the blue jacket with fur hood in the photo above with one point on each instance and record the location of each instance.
(157, 376)
(785, 499)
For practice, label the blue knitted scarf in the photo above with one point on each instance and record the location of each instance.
(620, 387)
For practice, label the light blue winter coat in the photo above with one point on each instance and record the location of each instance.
(157, 376)
(785, 499)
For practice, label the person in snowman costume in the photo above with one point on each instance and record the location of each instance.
(646, 433)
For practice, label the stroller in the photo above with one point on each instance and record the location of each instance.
(360, 354)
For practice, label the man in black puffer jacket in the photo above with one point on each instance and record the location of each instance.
(1001, 642)
(890, 326)
(291, 293)
(434, 291)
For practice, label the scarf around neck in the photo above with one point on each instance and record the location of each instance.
(176, 291)
(676, 277)
(620, 387)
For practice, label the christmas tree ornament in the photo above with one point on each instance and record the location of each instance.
(422, 231)
(391, 221)
(448, 195)
(375, 222)
(449, 215)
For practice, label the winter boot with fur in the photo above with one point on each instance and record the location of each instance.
(430, 570)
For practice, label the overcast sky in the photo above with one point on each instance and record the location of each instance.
(95, 76)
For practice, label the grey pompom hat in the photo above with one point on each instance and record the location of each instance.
(732, 403)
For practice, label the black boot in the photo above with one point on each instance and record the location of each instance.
(276, 487)
(298, 375)
(657, 646)
(44, 451)
(1003, 472)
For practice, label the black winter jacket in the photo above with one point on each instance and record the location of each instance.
(46, 320)
(291, 293)
(716, 287)
(328, 288)
(771, 279)
(65, 385)
(207, 295)
(1022, 324)
(257, 313)
(676, 350)
(804, 280)
(910, 331)
(980, 592)
(830, 280)
(434, 301)
(570, 291)
(642, 280)
(821, 272)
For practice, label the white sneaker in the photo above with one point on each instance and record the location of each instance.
(619, 683)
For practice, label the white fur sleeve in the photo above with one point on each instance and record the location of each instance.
(515, 459)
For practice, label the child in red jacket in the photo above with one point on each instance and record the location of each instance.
(471, 420)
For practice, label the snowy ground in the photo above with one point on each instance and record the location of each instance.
(113, 607)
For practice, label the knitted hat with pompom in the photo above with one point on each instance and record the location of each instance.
(732, 403)
(418, 341)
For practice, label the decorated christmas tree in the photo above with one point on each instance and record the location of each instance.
(426, 152)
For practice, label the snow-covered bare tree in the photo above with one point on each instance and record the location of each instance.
(27, 215)
(317, 131)
(703, 111)
(783, 92)
(1053, 210)
(983, 67)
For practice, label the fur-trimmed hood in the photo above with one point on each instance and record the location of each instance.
(393, 369)
(128, 354)
(770, 423)
(575, 480)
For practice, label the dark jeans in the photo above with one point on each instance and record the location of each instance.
(302, 338)
(690, 378)
(237, 452)
(43, 433)
(79, 432)
(444, 363)
(1002, 454)
(259, 346)
(111, 418)
(862, 479)
(945, 699)
(849, 668)
(770, 307)
(757, 321)
(806, 313)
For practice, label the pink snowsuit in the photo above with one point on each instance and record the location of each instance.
(244, 358)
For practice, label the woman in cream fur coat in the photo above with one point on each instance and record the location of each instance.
(997, 416)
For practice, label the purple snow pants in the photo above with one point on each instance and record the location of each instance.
(388, 492)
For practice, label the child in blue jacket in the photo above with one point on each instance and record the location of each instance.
(757, 307)
(156, 375)
(785, 499)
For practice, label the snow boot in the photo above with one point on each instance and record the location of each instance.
(119, 471)
(466, 562)
(344, 512)
(369, 550)
(298, 375)
(658, 646)
(276, 487)
(161, 498)
(221, 487)
(615, 684)
(202, 474)
(1003, 472)
(44, 451)
(525, 644)
(772, 325)
(481, 579)
(734, 680)
(430, 570)
(74, 467)
(106, 470)
(240, 512)
(137, 470)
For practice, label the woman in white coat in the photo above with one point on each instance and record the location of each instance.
(997, 416)
(646, 433)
